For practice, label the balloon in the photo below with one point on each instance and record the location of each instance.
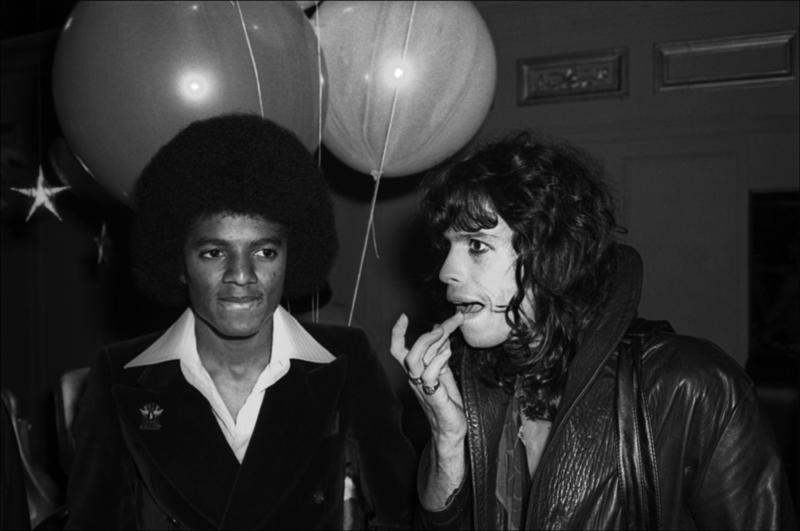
(71, 172)
(438, 58)
(127, 76)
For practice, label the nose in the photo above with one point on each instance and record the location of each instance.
(451, 273)
(240, 270)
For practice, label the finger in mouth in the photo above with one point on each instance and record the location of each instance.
(468, 308)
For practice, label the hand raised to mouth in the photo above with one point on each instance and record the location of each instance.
(436, 389)
(430, 375)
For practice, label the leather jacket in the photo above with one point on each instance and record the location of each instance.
(718, 464)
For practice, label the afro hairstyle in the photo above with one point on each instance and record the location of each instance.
(232, 164)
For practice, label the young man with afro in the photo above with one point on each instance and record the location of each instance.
(238, 416)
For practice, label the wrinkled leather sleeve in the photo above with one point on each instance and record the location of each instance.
(457, 514)
(743, 485)
(719, 463)
(100, 493)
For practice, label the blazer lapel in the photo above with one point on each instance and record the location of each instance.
(294, 417)
(170, 426)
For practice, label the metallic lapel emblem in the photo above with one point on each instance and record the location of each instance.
(150, 414)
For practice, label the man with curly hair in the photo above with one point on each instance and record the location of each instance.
(551, 405)
(238, 416)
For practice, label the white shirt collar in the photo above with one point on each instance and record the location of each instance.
(289, 341)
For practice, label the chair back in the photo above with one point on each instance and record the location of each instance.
(71, 387)
(42, 492)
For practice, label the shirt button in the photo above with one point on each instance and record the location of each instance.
(319, 497)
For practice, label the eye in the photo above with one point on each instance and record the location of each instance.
(477, 247)
(268, 253)
(211, 253)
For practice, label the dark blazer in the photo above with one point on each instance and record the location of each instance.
(184, 474)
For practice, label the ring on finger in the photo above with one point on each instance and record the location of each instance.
(416, 380)
(430, 390)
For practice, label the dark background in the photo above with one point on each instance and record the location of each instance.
(685, 165)
(25, 18)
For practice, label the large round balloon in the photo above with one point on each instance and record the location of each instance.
(127, 76)
(436, 57)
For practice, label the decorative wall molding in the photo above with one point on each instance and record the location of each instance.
(579, 76)
(726, 62)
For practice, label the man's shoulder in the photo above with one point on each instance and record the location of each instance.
(694, 367)
(120, 353)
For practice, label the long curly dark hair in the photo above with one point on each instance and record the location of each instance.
(554, 197)
(231, 164)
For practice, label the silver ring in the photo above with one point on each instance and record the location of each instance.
(416, 380)
(430, 390)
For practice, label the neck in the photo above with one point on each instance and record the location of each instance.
(238, 357)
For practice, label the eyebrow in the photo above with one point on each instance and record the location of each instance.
(217, 242)
(461, 235)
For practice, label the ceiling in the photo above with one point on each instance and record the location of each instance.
(26, 17)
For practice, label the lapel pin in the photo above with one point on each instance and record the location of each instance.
(150, 414)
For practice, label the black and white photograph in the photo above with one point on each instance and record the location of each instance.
(339, 264)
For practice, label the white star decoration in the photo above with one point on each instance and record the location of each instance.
(103, 242)
(42, 195)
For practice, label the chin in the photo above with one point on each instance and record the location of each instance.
(482, 339)
(240, 329)
(485, 329)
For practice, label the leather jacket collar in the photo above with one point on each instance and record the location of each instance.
(607, 330)
(484, 406)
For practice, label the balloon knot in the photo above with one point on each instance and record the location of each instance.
(376, 174)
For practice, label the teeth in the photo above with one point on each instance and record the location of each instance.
(469, 308)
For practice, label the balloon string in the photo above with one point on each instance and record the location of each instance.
(375, 242)
(377, 176)
(321, 81)
(408, 32)
(391, 121)
(315, 313)
(252, 59)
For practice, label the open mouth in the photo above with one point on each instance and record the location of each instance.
(469, 307)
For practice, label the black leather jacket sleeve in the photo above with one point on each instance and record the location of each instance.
(743, 485)
(457, 514)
